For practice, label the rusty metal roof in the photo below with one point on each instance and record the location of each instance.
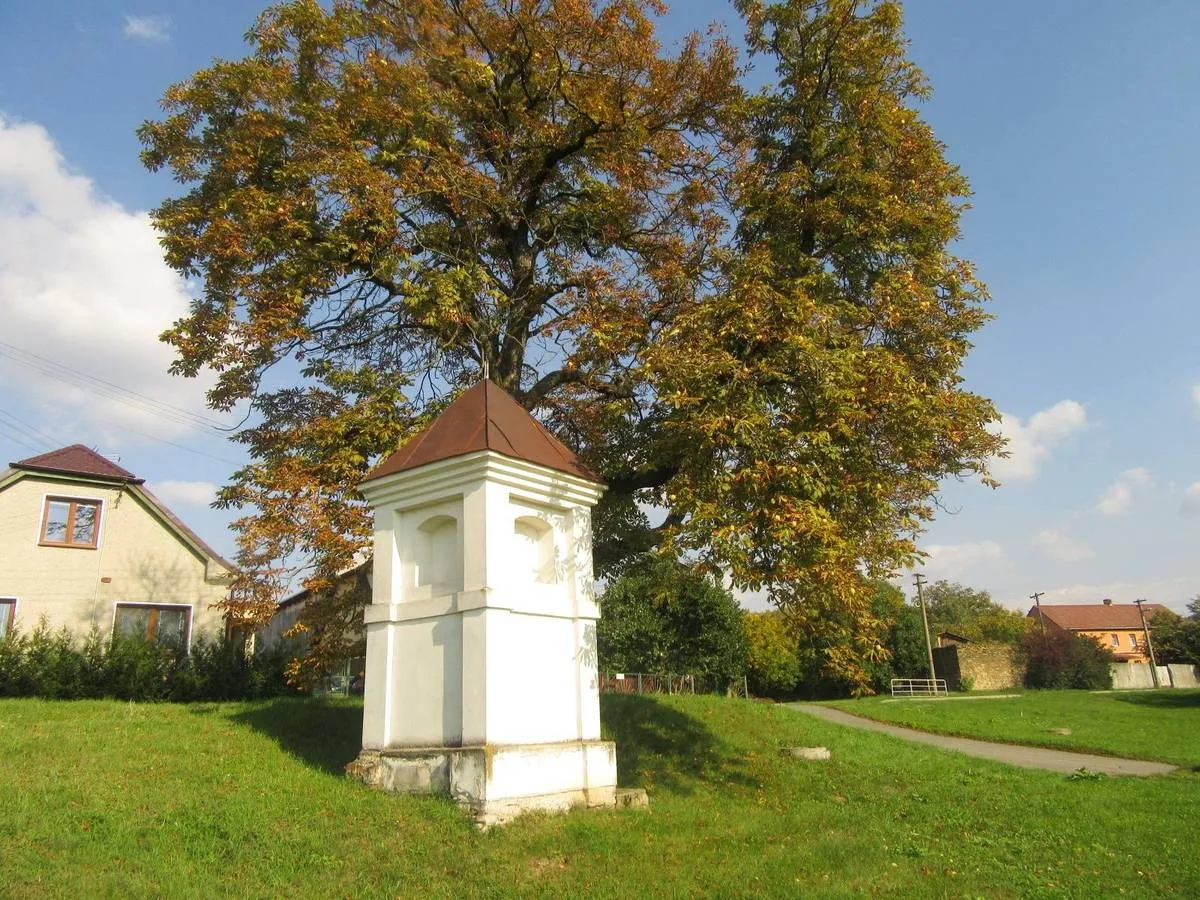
(77, 460)
(484, 418)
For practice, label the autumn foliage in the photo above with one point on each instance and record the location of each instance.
(740, 307)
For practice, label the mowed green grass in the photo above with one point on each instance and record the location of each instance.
(1160, 725)
(105, 799)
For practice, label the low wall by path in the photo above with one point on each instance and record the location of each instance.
(1184, 675)
(1135, 676)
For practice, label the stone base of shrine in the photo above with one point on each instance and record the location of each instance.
(498, 782)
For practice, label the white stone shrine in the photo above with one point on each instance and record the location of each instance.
(481, 634)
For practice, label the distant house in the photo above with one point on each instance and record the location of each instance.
(275, 633)
(83, 543)
(1117, 626)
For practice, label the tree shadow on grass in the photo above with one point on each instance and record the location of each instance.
(324, 734)
(1166, 698)
(661, 747)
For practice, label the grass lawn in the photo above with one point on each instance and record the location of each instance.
(105, 799)
(1162, 725)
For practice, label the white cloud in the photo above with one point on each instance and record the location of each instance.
(1031, 443)
(185, 493)
(148, 28)
(1191, 499)
(1056, 544)
(1119, 497)
(957, 561)
(83, 284)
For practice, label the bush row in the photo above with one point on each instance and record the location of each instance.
(54, 665)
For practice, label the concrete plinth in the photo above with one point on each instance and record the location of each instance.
(498, 783)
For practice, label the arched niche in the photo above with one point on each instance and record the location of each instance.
(535, 552)
(437, 557)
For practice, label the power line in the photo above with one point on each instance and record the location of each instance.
(108, 389)
(17, 437)
(182, 447)
(32, 438)
(28, 436)
(36, 433)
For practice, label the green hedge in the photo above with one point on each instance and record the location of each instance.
(1062, 660)
(54, 665)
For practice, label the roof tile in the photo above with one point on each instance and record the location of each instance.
(77, 460)
(1096, 616)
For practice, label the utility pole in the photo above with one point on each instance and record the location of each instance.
(1036, 597)
(1149, 643)
(920, 580)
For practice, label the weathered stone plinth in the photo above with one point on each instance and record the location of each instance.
(498, 783)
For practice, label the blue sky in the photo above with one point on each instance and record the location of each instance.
(1076, 123)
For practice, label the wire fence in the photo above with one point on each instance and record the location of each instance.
(669, 683)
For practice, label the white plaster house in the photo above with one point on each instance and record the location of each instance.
(481, 636)
(84, 543)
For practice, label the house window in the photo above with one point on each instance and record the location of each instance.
(1133, 641)
(1116, 640)
(8, 613)
(164, 624)
(71, 523)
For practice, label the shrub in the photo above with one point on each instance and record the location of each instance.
(1060, 659)
(135, 669)
(662, 616)
(12, 665)
(772, 667)
(49, 664)
(1176, 638)
(221, 670)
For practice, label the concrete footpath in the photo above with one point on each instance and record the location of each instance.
(1013, 754)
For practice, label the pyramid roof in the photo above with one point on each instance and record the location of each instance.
(484, 418)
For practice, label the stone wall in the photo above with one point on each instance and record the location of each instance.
(990, 665)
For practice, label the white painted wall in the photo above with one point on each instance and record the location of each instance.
(482, 624)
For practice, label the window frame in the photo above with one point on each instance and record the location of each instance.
(152, 624)
(1115, 639)
(8, 619)
(72, 508)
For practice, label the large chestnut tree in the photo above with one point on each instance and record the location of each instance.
(742, 308)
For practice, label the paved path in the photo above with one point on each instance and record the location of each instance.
(1013, 754)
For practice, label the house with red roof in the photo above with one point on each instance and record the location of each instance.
(84, 543)
(1117, 626)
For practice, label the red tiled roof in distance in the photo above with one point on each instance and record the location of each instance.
(484, 418)
(1097, 616)
(77, 460)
